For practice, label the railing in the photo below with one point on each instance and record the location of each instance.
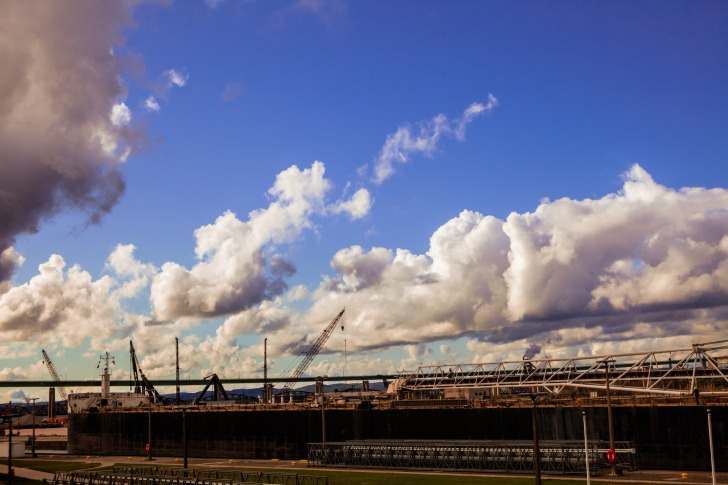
(561, 457)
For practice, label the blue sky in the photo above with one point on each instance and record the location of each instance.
(542, 201)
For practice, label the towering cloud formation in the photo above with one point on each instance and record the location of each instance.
(645, 262)
(233, 272)
(63, 128)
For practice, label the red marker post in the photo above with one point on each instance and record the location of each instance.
(148, 449)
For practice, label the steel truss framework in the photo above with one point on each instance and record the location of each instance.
(181, 476)
(499, 456)
(673, 372)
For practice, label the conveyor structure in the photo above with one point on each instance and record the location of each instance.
(699, 370)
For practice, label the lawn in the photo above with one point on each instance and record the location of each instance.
(49, 466)
(336, 477)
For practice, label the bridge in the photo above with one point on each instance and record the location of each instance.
(196, 382)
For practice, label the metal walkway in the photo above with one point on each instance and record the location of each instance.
(559, 457)
(668, 372)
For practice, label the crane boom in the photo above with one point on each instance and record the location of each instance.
(313, 351)
(142, 385)
(54, 374)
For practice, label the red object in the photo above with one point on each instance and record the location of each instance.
(147, 448)
(611, 456)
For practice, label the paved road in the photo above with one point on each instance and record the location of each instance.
(644, 476)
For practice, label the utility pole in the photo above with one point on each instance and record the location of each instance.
(265, 371)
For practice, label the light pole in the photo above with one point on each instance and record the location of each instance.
(184, 436)
(32, 443)
(712, 455)
(586, 449)
(322, 395)
(609, 416)
(9, 419)
(149, 434)
(536, 453)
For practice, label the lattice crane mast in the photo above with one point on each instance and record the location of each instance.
(313, 352)
(54, 374)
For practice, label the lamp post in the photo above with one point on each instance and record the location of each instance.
(536, 453)
(149, 434)
(322, 397)
(32, 443)
(586, 449)
(712, 455)
(609, 416)
(184, 436)
(9, 419)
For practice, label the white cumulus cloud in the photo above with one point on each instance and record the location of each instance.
(176, 78)
(120, 114)
(424, 137)
(67, 305)
(233, 272)
(647, 261)
(151, 104)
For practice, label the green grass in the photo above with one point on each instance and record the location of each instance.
(336, 477)
(382, 478)
(346, 477)
(50, 466)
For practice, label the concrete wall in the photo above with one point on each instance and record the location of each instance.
(18, 448)
(666, 437)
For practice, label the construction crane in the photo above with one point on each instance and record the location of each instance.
(312, 352)
(54, 374)
(142, 385)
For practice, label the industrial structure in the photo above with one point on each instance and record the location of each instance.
(701, 370)
(141, 383)
(54, 374)
(460, 416)
(311, 353)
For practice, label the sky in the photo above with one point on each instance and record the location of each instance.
(473, 181)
